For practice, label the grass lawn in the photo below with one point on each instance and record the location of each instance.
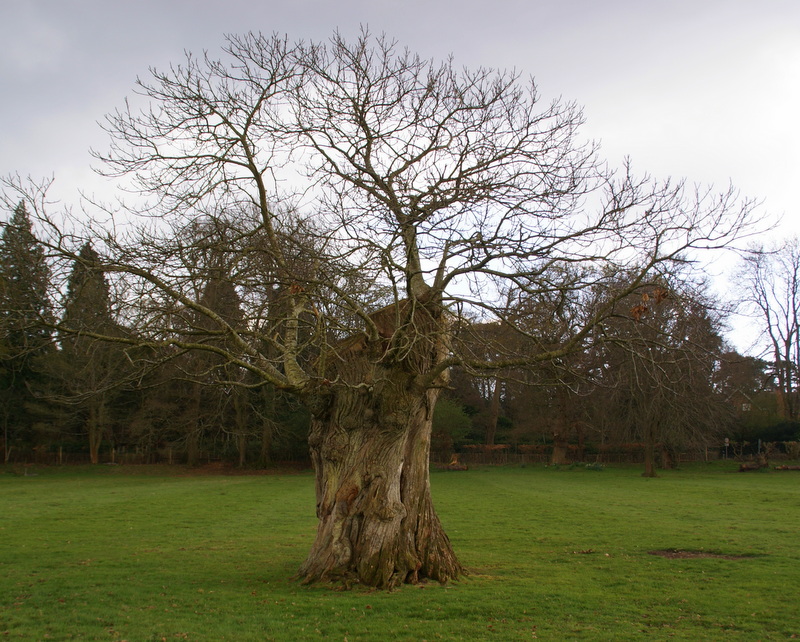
(116, 553)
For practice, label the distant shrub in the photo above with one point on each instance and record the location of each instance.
(792, 449)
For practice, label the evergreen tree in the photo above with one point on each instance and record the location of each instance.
(24, 303)
(216, 404)
(25, 316)
(90, 371)
(87, 306)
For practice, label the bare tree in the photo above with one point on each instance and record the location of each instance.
(658, 368)
(771, 291)
(430, 193)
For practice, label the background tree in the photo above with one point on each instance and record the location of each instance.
(90, 371)
(445, 188)
(559, 382)
(747, 384)
(450, 425)
(770, 286)
(25, 321)
(217, 385)
(659, 373)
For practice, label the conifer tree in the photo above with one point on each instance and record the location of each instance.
(24, 302)
(90, 370)
(88, 301)
(217, 400)
(25, 319)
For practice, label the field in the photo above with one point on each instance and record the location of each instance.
(138, 553)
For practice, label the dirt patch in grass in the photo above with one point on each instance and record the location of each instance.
(673, 553)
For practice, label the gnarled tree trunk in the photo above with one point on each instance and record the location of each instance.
(370, 445)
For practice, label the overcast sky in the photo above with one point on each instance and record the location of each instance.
(707, 90)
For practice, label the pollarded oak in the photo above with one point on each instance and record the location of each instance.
(370, 445)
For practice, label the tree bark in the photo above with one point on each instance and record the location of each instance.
(95, 425)
(240, 414)
(370, 445)
(193, 427)
(377, 522)
(649, 459)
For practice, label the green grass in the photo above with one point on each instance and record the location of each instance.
(107, 554)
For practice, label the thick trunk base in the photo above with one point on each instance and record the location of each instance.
(377, 525)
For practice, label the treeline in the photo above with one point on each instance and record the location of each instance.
(685, 393)
(67, 395)
(661, 377)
